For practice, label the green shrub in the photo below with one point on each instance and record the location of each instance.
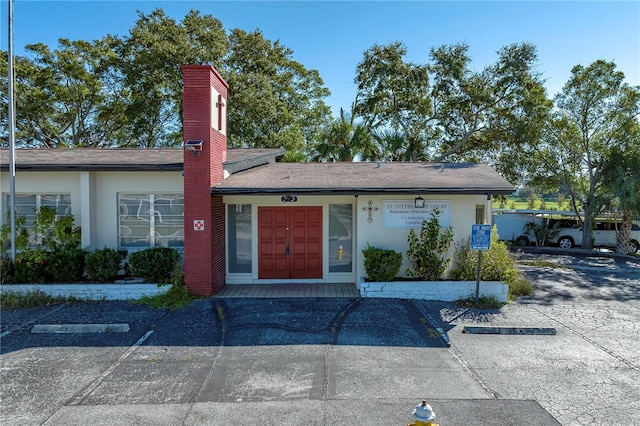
(6, 270)
(56, 256)
(542, 232)
(30, 267)
(428, 252)
(104, 264)
(38, 266)
(65, 265)
(56, 233)
(381, 264)
(176, 297)
(154, 264)
(498, 264)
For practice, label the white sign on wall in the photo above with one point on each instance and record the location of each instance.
(404, 214)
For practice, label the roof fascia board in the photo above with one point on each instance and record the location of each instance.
(361, 191)
(96, 167)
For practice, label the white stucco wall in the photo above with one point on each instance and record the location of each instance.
(94, 196)
(94, 204)
(462, 211)
(462, 214)
(110, 184)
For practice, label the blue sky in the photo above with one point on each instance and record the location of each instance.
(332, 36)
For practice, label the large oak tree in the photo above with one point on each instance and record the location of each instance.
(126, 91)
(594, 123)
(448, 111)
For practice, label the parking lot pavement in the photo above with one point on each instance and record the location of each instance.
(589, 372)
(337, 361)
(225, 361)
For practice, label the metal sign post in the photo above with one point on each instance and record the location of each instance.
(12, 134)
(480, 240)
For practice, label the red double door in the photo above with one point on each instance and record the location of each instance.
(289, 242)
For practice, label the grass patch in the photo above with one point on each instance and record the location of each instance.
(543, 264)
(483, 303)
(32, 299)
(176, 297)
(220, 311)
(517, 204)
(519, 286)
(433, 333)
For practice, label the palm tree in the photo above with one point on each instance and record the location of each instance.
(542, 232)
(343, 140)
(621, 177)
(390, 145)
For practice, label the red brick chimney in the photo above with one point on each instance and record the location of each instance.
(205, 149)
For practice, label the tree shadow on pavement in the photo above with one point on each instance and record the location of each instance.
(236, 322)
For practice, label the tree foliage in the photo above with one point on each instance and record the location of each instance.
(275, 101)
(595, 120)
(149, 59)
(446, 110)
(342, 140)
(63, 96)
(621, 181)
(126, 91)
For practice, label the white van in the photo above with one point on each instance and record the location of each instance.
(603, 234)
(511, 224)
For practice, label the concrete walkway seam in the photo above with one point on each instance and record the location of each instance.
(93, 385)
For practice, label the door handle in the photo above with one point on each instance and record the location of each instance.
(287, 247)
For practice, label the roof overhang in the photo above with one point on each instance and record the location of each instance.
(361, 191)
(349, 178)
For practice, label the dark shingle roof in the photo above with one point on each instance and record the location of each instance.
(158, 159)
(366, 178)
(278, 178)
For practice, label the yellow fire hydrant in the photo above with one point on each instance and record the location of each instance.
(424, 415)
(340, 252)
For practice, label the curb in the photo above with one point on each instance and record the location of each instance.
(89, 291)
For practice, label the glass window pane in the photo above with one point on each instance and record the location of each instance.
(151, 220)
(340, 237)
(134, 220)
(169, 220)
(61, 203)
(480, 218)
(239, 217)
(27, 206)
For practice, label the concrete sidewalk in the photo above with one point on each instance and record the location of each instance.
(318, 361)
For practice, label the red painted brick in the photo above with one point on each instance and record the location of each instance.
(205, 261)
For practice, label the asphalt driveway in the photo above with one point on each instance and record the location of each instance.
(325, 361)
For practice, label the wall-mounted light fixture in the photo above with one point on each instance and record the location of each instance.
(288, 198)
(193, 146)
(419, 202)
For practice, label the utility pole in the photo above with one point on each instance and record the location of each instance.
(12, 135)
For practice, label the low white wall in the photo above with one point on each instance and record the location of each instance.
(90, 291)
(447, 291)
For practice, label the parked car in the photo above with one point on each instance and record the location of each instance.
(604, 235)
(512, 224)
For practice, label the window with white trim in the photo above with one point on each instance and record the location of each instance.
(151, 220)
(340, 237)
(239, 237)
(27, 205)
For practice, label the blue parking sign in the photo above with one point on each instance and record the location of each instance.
(480, 237)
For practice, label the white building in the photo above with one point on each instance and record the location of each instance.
(241, 216)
